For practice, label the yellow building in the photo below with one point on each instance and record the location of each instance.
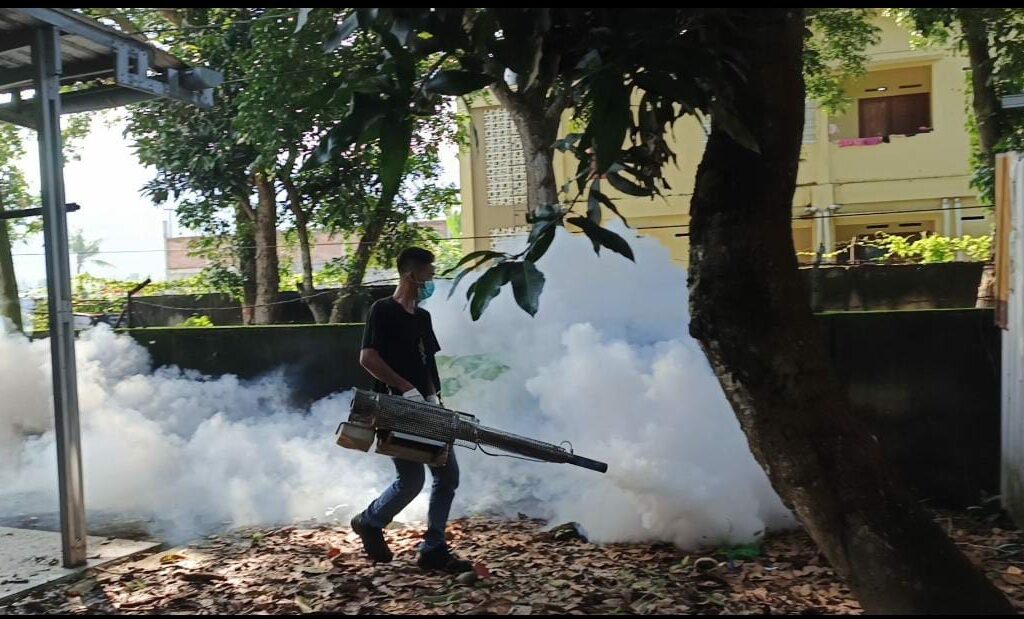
(851, 182)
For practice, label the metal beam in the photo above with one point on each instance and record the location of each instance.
(90, 100)
(84, 27)
(101, 99)
(73, 23)
(34, 212)
(46, 60)
(72, 72)
(174, 84)
(22, 120)
(201, 78)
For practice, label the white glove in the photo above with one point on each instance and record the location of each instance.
(414, 395)
(433, 399)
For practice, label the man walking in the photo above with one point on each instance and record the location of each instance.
(398, 350)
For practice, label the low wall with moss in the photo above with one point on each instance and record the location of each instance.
(316, 360)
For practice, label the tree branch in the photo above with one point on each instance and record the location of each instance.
(505, 96)
(173, 16)
(558, 101)
(246, 206)
(120, 19)
(294, 197)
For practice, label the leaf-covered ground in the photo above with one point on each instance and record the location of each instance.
(528, 570)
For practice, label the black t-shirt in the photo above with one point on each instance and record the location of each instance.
(406, 342)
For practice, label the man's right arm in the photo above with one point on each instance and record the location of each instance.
(370, 359)
(378, 329)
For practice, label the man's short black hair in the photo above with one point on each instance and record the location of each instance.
(413, 256)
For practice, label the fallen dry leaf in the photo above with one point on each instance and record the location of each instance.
(81, 587)
(481, 571)
(530, 573)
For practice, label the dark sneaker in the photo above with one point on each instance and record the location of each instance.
(373, 540)
(442, 559)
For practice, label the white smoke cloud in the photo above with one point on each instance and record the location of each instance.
(606, 363)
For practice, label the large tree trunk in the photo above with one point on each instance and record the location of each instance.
(985, 101)
(318, 304)
(538, 135)
(267, 274)
(245, 252)
(10, 307)
(352, 294)
(536, 116)
(750, 313)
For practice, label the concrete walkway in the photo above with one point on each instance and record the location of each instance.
(30, 559)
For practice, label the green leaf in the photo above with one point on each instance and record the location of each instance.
(527, 284)
(487, 253)
(371, 130)
(540, 245)
(625, 185)
(364, 114)
(670, 90)
(568, 142)
(344, 31)
(582, 173)
(367, 16)
(593, 203)
(395, 140)
(542, 222)
(457, 83)
(589, 62)
(522, 31)
(658, 82)
(300, 21)
(610, 116)
(607, 202)
(488, 287)
(458, 278)
(401, 28)
(733, 126)
(601, 236)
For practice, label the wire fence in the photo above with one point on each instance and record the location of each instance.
(509, 235)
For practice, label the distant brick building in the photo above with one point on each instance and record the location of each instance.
(181, 263)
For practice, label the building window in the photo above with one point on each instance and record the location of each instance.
(896, 115)
(810, 122)
(503, 156)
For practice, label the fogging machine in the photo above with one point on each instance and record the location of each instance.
(425, 433)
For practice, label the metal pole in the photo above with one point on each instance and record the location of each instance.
(46, 58)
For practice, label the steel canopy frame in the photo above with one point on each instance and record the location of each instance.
(128, 61)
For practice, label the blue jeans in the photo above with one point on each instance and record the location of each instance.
(407, 486)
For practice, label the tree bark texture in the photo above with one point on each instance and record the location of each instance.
(985, 101)
(750, 313)
(318, 304)
(267, 273)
